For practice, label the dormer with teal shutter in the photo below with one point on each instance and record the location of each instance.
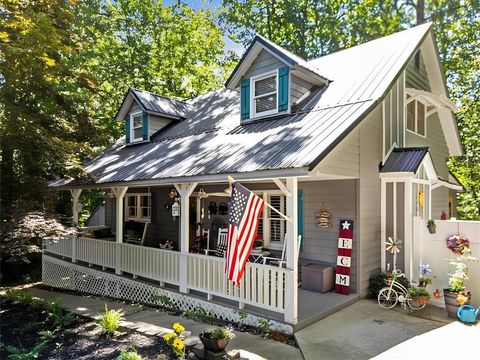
(145, 114)
(272, 81)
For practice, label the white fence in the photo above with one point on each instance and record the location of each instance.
(261, 285)
(432, 249)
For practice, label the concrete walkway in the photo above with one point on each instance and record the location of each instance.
(158, 323)
(365, 330)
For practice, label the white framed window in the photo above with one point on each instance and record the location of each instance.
(264, 94)
(138, 207)
(277, 224)
(136, 126)
(417, 117)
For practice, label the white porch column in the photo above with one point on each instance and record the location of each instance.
(75, 204)
(383, 223)
(119, 193)
(291, 281)
(184, 190)
(408, 231)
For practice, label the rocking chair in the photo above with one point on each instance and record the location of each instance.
(221, 244)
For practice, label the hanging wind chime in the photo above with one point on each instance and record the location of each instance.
(394, 247)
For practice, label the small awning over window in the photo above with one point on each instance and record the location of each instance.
(404, 160)
(437, 101)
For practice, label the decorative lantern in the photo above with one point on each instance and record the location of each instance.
(323, 217)
(175, 208)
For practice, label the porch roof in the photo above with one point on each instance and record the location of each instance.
(404, 160)
(211, 140)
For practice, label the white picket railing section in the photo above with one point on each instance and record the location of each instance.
(95, 251)
(61, 247)
(261, 285)
(151, 263)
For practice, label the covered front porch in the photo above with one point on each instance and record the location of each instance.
(269, 288)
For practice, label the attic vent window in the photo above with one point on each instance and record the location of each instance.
(136, 124)
(264, 89)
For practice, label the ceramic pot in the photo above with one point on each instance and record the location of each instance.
(215, 345)
(432, 229)
(451, 303)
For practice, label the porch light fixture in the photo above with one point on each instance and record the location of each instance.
(173, 193)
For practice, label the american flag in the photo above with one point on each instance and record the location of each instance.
(244, 214)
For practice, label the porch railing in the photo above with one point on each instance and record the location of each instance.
(261, 285)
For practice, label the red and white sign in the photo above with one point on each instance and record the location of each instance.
(344, 257)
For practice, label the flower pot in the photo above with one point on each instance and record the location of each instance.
(421, 300)
(451, 303)
(214, 345)
(432, 229)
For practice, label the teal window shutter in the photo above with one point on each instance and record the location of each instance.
(283, 88)
(245, 99)
(145, 125)
(127, 129)
(300, 217)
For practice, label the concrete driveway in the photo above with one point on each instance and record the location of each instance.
(363, 331)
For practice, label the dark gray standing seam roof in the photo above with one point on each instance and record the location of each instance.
(211, 139)
(404, 160)
(160, 104)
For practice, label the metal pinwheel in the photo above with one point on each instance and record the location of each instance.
(394, 247)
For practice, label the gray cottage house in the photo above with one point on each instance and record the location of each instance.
(362, 134)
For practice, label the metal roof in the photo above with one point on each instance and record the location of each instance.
(211, 139)
(151, 102)
(404, 160)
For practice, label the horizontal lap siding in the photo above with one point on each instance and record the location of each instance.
(369, 197)
(155, 123)
(340, 200)
(298, 88)
(417, 78)
(439, 202)
(264, 63)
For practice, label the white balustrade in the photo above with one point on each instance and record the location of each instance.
(260, 285)
(151, 263)
(96, 251)
(61, 247)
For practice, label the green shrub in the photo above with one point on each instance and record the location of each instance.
(379, 281)
(19, 353)
(129, 355)
(23, 297)
(110, 320)
(56, 315)
(418, 291)
(263, 326)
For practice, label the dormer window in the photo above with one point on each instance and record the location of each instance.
(264, 94)
(136, 126)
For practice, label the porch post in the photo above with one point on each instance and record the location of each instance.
(75, 204)
(408, 229)
(119, 195)
(185, 190)
(291, 280)
(383, 222)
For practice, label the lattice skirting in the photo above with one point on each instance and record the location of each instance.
(65, 275)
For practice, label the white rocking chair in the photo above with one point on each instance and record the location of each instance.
(282, 262)
(221, 244)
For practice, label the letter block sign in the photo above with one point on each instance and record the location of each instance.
(344, 258)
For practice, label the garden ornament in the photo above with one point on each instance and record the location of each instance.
(468, 314)
(394, 247)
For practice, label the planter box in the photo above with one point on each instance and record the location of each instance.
(451, 303)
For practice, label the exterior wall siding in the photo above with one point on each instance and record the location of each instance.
(417, 77)
(368, 194)
(439, 202)
(155, 123)
(264, 62)
(298, 87)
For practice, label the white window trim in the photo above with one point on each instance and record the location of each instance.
(138, 218)
(276, 245)
(416, 122)
(132, 132)
(254, 79)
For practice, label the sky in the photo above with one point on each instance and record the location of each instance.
(212, 4)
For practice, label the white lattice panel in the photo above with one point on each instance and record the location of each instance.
(63, 274)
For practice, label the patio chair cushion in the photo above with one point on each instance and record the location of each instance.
(220, 251)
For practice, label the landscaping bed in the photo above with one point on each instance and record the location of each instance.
(34, 334)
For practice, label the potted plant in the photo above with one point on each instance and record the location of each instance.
(419, 295)
(217, 339)
(424, 279)
(456, 293)
(431, 226)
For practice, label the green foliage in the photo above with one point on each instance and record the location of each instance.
(220, 333)
(22, 296)
(431, 223)
(164, 300)
(379, 281)
(459, 270)
(110, 321)
(56, 315)
(263, 326)
(197, 313)
(129, 355)
(418, 291)
(424, 281)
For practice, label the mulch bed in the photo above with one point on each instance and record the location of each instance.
(20, 324)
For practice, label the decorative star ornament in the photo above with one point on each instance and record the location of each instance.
(393, 245)
(345, 225)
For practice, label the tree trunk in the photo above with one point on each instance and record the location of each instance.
(420, 11)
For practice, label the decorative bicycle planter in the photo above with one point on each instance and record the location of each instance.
(390, 296)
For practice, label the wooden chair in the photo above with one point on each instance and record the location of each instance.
(221, 244)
